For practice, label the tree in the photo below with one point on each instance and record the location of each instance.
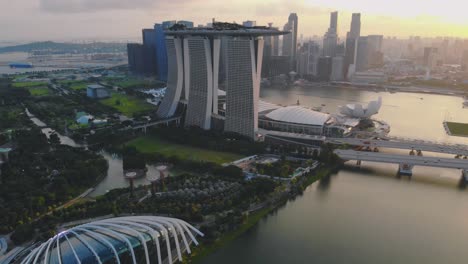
(54, 139)
(230, 171)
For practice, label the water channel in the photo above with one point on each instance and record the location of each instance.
(114, 178)
(368, 215)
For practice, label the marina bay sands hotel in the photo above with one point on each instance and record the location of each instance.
(200, 60)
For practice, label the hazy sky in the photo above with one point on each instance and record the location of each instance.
(78, 19)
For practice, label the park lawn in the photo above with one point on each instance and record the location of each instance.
(79, 86)
(28, 84)
(39, 91)
(458, 129)
(74, 84)
(136, 83)
(154, 144)
(128, 105)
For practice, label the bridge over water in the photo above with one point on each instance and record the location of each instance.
(398, 143)
(406, 162)
(390, 142)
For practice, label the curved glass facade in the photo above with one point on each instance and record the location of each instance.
(135, 239)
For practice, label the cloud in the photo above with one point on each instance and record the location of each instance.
(78, 6)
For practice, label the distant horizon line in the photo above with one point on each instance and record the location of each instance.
(116, 39)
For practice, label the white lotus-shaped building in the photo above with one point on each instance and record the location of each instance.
(359, 111)
(134, 239)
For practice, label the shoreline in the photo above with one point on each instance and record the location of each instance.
(203, 251)
(409, 89)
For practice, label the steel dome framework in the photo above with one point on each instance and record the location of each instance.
(135, 239)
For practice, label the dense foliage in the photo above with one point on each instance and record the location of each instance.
(41, 175)
(211, 140)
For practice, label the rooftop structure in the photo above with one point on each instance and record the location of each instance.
(97, 91)
(298, 115)
(360, 111)
(221, 28)
(135, 239)
(196, 57)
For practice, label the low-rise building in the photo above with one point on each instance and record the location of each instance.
(97, 91)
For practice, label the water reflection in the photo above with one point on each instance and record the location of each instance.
(115, 176)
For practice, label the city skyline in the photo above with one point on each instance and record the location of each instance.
(105, 19)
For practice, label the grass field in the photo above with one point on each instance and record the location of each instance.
(28, 84)
(78, 86)
(127, 105)
(458, 129)
(39, 91)
(153, 144)
(75, 85)
(135, 83)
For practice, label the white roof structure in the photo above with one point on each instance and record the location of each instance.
(360, 111)
(266, 106)
(299, 115)
(140, 238)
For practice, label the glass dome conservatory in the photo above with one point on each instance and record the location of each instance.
(134, 239)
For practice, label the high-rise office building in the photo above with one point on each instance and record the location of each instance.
(175, 77)
(149, 45)
(324, 68)
(362, 55)
(429, 58)
(142, 57)
(290, 40)
(375, 56)
(334, 22)
(276, 45)
(287, 41)
(194, 64)
(330, 40)
(351, 41)
(307, 59)
(464, 61)
(135, 52)
(337, 69)
(201, 65)
(355, 31)
(161, 51)
(293, 21)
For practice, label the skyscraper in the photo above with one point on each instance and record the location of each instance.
(161, 52)
(149, 46)
(201, 65)
(464, 61)
(324, 68)
(142, 57)
(175, 77)
(287, 41)
(337, 73)
(308, 55)
(290, 40)
(330, 39)
(351, 41)
(135, 52)
(362, 54)
(194, 64)
(334, 22)
(293, 21)
(375, 56)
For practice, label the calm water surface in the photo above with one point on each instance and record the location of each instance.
(368, 215)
